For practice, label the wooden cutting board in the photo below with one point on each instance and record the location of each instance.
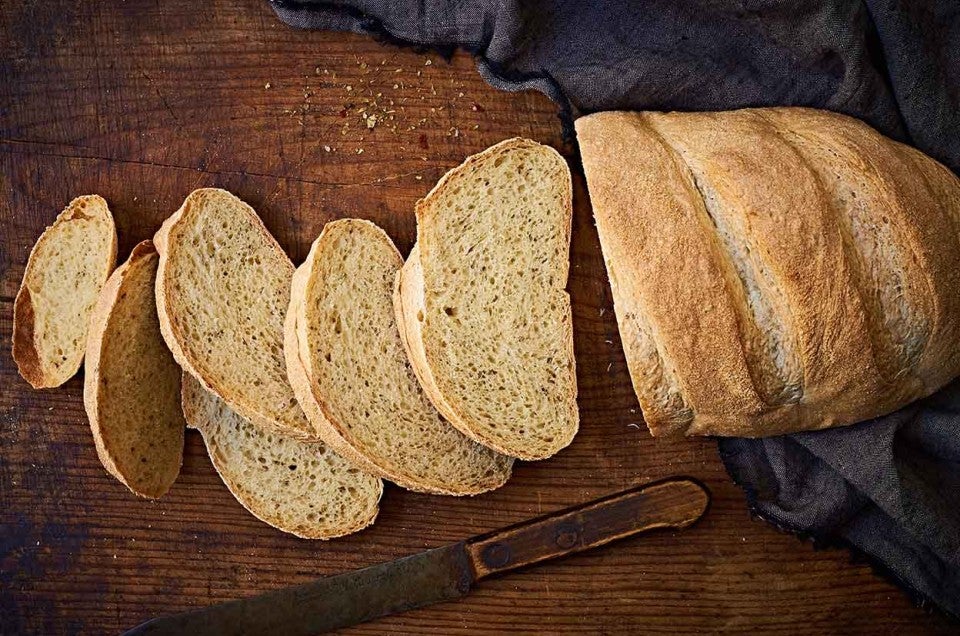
(142, 102)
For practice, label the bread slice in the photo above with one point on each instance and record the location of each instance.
(66, 269)
(131, 388)
(223, 287)
(302, 488)
(482, 300)
(348, 368)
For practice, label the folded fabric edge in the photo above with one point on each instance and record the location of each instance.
(288, 11)
(822, 541)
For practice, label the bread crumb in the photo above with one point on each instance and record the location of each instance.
(359, 151)
(267, 85)
(326, 148)
(428, 62)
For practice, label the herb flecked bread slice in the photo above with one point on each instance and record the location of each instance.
(298, 487)
(482, 300)
(223, 287)
(348, 368)
(66, 270)
(131, 388)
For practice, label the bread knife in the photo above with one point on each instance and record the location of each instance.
(444, 573)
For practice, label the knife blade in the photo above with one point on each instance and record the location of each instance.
(444, 573)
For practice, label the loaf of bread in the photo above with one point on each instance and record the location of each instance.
(482, 300)
(223, 287)
(350, 373)
(131, 388)
(301, 488)
(66, 270)
(774, 270)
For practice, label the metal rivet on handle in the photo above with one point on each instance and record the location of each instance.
(567, 537)
(496, 555)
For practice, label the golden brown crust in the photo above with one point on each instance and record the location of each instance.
(941, 358)
(655, 177)
(107, 447)
(667, 294)
(24, 349)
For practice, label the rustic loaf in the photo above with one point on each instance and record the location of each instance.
(66, 270)
(482, 304)
(302, 488)
(350, 373)
(131, 387)
(223, 287)
(774, 270)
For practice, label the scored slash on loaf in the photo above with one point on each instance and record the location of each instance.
(774, 270)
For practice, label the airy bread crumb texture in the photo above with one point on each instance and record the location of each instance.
(132, 383)
(357, 370)
(66, 270)
(495, 320)
(301, 488)
(222, 292)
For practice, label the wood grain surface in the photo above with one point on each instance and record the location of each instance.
(143, 101)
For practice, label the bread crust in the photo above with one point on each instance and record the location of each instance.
(100, 322)
(172, 332)
(669, 268)
(410, 299)
(25, 352)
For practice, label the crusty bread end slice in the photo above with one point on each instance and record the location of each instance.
(484, 309)
(348, 368)
(302, 488)
(131, 388)
(66, 270)
(223, 287)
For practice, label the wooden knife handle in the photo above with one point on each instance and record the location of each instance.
(672, 503)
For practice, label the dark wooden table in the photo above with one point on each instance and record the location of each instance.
(142, 102)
